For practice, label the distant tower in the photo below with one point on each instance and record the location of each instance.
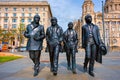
(88, 8)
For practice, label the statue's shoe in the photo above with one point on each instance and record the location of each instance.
(92, 74)
(55, 73)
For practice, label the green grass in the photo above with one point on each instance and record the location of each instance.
(8, 58)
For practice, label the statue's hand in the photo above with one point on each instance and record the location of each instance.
(27, 34)
(36, 36)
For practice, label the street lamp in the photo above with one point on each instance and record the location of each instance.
(103, 23)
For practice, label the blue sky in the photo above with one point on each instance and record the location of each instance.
(69, 10)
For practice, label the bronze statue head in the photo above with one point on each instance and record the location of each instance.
(70, 25)
(88, 19)
(36, 19)
(53, 21)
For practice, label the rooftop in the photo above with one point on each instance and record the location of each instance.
(21, 0)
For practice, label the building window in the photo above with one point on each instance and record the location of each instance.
(115, 6)
(110, 7)
(14, 9)
(107, 9)
(6, 14)
(43, 14)
(5, 26)
(29, 20)
(37, 14)
(14, 14)
(99, 17)
(43, 8)
(118, 16)
(113, 16)
(113, 29)
(23, 9)
(14, 20)
(119, 28)
(5, 20)
(113, 22)
(30, 9)
(30, 14)
(114, 41)
(6, 9)
(37, 9)
(14, 26)
(43, 19)
(119, 22)
(23, 20)
(117, 34)
(23, 14)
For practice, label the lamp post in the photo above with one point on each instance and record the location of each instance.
(103, 23)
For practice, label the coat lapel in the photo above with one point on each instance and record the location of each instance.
(93, 30)
(87, 28)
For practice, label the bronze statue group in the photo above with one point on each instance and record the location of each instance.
(91, 42)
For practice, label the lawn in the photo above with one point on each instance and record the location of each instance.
(8, 58)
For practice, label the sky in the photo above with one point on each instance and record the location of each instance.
(70, 10)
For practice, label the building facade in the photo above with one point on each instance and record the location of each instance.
(13, 13)
(110, 33)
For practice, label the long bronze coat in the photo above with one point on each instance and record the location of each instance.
(35, 37)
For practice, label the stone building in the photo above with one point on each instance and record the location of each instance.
(16, 12)
(111, 31)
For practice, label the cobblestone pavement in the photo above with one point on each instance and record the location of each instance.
(22, 69)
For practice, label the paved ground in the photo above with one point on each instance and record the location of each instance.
(22, 69)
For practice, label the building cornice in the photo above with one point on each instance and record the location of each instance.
(41, 3)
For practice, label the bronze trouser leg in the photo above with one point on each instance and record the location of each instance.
(55, 58)
(87, 55)
(32, 56)
(86, 62)
(68, 57)
(92, 59)
(73, 55)
(35, 56)
(51, 57)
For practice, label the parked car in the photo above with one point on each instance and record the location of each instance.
(21, 48)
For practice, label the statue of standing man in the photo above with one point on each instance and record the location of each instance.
(54, 38)
(70, 39)
(90, 42)
(35, 34)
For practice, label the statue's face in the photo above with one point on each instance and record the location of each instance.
(88, 19)
(70, 25)
(36, 19)
(54, 22)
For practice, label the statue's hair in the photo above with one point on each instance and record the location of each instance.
(70, 23)
(88, 15)
(53, 18)
(37, 16)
